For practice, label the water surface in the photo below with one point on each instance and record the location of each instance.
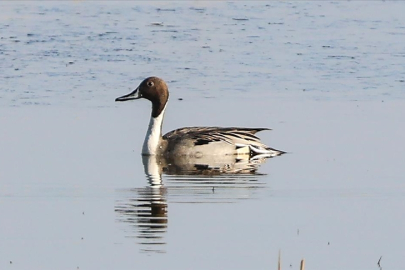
(327, 77)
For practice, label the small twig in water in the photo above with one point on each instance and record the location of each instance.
(379, 262)
(279, 259)
(302, 264)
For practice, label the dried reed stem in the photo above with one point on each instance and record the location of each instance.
(279, 259)
(302, 264)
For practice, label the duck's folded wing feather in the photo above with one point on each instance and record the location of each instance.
(204, 135)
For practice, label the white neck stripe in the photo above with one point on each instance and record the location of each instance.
(153, 134)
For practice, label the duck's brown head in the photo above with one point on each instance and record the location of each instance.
(153, 89)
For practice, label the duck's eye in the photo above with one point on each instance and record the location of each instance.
(150, 84)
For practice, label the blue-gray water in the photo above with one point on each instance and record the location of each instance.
(327, 77)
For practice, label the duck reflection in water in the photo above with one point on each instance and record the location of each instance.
(210, 165)
(146, 210)
(195, 180)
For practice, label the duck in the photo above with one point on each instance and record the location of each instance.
(193, 142)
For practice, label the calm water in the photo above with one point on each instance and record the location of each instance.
(327, 77)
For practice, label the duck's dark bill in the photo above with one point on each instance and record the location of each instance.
(133, 95)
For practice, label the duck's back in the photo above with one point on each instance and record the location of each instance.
(202, 141)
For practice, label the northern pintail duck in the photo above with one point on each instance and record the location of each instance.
(193, 141)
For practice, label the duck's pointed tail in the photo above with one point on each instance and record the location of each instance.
(268, 151)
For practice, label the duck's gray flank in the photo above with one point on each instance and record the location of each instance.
(193, 141)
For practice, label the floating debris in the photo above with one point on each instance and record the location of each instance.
(341, 56)
(157, 24)
(165, 9)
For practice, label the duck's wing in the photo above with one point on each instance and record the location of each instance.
(240, 137)
(214, 134)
